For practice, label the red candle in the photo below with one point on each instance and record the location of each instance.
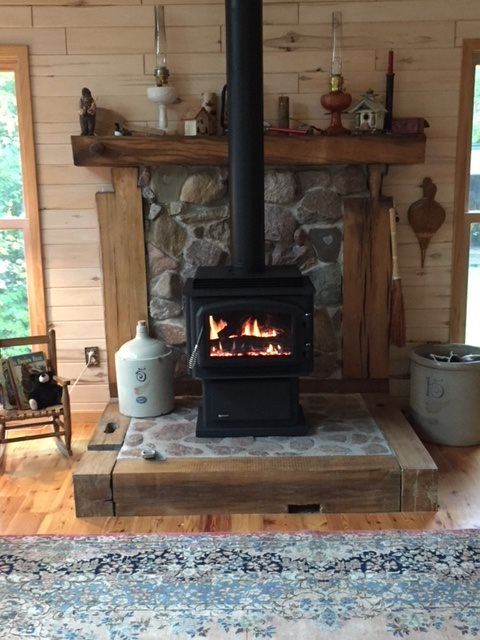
(390, 63)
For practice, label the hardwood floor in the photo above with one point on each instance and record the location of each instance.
(36, 497)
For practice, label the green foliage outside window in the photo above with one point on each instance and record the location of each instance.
(14, 318)
(476, 108)
(11, 196)
(13, 294)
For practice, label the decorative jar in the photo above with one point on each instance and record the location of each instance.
(144, 368)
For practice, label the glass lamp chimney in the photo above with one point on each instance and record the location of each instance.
(337, 43)
(161, 72)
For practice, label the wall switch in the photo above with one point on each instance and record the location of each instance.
(94, 357)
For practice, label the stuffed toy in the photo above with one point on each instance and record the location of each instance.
(45, 392)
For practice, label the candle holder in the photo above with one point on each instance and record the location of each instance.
(337, 100)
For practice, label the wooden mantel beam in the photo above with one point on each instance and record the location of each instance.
(134, 151)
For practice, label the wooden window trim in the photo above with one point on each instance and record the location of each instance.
(462, 221)
(15, 58)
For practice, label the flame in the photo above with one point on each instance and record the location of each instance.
(216, 327)
(251, 328)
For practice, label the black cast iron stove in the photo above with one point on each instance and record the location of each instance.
(249, 327)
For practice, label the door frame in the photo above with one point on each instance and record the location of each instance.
(15, 58)
(461, 219)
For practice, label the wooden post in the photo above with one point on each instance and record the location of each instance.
(67, 419)
(52, 350)
(123, 258)
(366, 288)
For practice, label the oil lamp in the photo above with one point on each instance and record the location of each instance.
(162, 93)
(337, 100)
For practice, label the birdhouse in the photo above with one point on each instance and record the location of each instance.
(200, 123)
(369, 113)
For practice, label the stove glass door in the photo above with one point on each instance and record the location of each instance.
(245, 335)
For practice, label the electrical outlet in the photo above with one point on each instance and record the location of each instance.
(94, 357)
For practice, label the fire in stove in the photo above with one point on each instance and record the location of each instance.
(252, 339)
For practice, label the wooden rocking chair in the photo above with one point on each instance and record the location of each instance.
(58, 416)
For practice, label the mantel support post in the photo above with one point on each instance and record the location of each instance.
(366, 287)
(120, 217)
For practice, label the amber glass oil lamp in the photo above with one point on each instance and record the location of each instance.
(337, 100)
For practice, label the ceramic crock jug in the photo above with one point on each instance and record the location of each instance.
(144, 369)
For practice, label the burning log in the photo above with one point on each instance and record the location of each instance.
(250, 347)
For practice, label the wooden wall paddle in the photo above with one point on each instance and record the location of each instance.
(426, 216)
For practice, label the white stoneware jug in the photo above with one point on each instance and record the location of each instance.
(144, 369)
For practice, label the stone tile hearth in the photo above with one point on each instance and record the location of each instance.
(341, 425)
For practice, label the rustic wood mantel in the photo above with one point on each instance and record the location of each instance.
(134, 151)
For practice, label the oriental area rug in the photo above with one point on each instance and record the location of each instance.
(222, 587)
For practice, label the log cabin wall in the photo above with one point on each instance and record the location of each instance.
(107, 45)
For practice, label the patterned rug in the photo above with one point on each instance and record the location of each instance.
(223, 587)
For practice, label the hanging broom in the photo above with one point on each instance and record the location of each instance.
(397, 328)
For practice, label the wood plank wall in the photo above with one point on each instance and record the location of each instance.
(107, 45)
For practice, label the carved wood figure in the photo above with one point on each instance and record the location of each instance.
(86, 113)
(426, 216)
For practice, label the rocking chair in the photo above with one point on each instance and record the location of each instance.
(58, 416)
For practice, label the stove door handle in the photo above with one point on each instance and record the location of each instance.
(308, 322)
(308, 349)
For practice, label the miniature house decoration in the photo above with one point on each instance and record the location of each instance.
(369, 113)
(203, 122)
(198, 123)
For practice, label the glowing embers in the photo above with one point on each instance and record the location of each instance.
(248, 337)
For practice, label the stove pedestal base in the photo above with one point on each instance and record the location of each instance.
(250, 407)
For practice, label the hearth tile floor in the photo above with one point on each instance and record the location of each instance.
(341, 425)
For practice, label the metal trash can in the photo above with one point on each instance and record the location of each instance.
(144, 368)
(445, 396)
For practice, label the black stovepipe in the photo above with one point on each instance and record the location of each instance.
(244, 37)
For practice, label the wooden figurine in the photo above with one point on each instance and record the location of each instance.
(87, 110)
(426, 216)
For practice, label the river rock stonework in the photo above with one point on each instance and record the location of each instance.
(187, 224)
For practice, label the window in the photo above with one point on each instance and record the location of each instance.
(22, 298)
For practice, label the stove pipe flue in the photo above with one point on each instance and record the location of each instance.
(244, 36)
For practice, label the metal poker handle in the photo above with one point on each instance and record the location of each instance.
(192, 361)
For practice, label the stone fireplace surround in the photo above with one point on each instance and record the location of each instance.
(186, 217)
(362, 329)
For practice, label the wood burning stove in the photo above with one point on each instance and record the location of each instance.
(249, 327)
(249, 337)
